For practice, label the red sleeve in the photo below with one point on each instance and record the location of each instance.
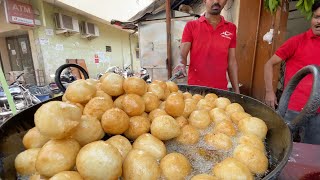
(233, 42)
(187, 33)
(288, 49)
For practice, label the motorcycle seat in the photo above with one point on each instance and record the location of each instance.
(3, 99)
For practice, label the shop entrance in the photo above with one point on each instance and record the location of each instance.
(20, 57)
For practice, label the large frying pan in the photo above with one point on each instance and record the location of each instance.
(278, 141)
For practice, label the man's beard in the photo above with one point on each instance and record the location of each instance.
(215, 11)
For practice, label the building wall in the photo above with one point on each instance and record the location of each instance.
(231, 11)
(5, 30)
(4, 56)
(297, 23)
(75, 47)
(5, 27)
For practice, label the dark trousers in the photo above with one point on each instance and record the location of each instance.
(309, 132)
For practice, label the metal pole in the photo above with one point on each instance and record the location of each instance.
(7, 92)
(168, 22)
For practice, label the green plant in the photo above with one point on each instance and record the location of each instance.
(305, 7)
(271, 5)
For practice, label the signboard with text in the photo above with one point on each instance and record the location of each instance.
(19, 13)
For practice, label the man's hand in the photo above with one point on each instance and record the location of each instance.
(182, 68)
(271, 99)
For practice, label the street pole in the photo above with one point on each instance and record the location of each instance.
(168, 24)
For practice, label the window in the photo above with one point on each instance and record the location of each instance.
(108, 48)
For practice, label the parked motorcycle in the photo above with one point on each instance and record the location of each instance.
(63, 75)
(22, 98)
(128, 72)
(67, 76)
(144, 74)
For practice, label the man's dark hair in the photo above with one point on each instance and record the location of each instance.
(316, 5)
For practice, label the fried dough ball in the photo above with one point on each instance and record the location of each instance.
(182, 121)
(140, 164)
(80, 106)
(180, 93)
(38, 177)
(118, 102)
(88, 130)
(166, 94)
(80, 91)
(56, 156)
(225, 127)
(175, 166)
(57, 119)
(115, 121)
(189, 135)
(211, 98)
(253, 125)
(92, 81)
(162, 105)
(252, 140)
(197, 97)
(144, 114)
(157, 90)
(104, 76)
(156, 113)
(199, 119)
(138, 125)
(174, 105)
(218, 115)
(101, 93)
(150, 144)
(233, 107)
(204, 177)
(33, 139)
(173, 87)
(25, 162)
(67, 175)
(151, 101)
(205, 105)
(187, 95)
(190, 106)
(238, 116)
(252, 157)
(222, 102)
(165, 127)
(133, 105)
(98, 86)
(231, 169)
(162, 84)
(219, 141)
(64, 98)
(99, 160)
(122, 144)
(113, 84)
(135, 85)
(97, 106)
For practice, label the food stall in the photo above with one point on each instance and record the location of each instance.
(153, 42)
(268, 125)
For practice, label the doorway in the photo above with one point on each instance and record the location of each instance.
(20, 57)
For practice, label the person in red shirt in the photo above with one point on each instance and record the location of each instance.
(211, 41)
(298, 52)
